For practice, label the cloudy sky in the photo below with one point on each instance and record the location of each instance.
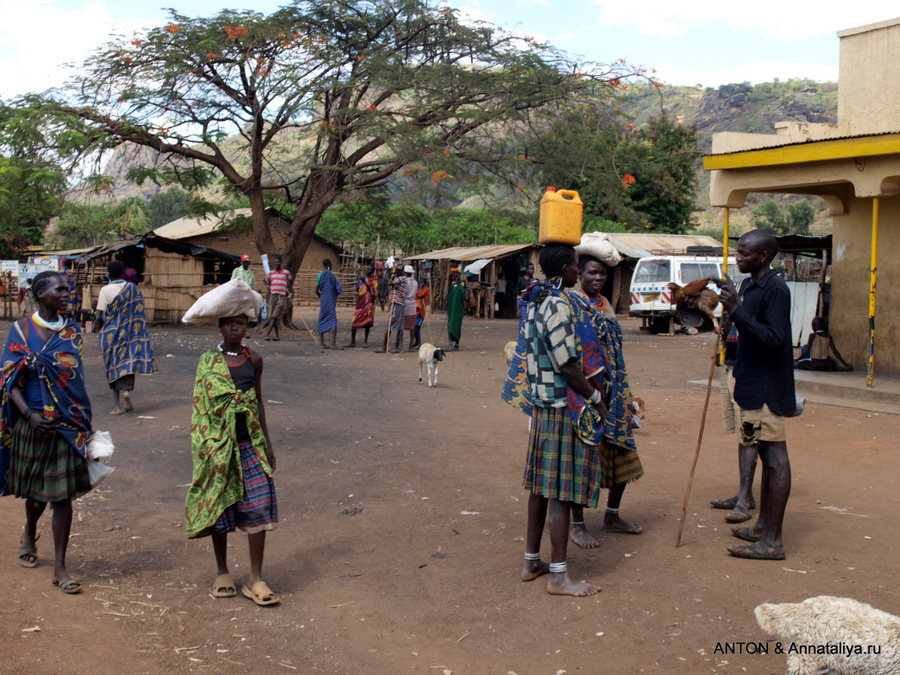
(688, 42)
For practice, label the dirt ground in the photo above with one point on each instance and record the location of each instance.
(402, 522)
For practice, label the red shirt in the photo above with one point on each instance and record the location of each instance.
(279, 282)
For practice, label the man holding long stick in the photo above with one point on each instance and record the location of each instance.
(398, 287)
(764, 385)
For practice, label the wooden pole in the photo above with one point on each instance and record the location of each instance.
(687, 494)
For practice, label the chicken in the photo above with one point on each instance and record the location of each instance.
(695, 297)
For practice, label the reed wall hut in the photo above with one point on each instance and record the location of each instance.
(219, 233)
(173, 274)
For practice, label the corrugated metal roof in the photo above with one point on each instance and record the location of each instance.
(41, 251)
(468, 254)
(192, 226)
(789, 142)
(639, 244)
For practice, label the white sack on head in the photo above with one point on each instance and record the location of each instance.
(230, 299)
(598, 245)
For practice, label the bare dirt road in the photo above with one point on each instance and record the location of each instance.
(402, 524)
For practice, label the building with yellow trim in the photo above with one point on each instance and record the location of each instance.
(855, 166)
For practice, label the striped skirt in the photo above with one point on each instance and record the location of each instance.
(258, 510)
(618, 465)
(44, 466)
(559, 465)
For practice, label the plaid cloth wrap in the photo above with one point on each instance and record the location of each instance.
(559, 465)
(604, 368)
(258, 510)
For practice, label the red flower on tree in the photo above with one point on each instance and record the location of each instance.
(628, 180)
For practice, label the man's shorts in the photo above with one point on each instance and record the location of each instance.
(277, 305)
(761, 425)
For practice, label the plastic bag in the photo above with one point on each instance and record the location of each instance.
(98, 471)
(100, 446)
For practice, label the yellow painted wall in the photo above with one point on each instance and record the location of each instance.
(850, 284)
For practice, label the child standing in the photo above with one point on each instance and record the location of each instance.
(234, 460)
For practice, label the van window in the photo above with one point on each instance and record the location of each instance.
(734, 273)
(693, 271)
(651, 271)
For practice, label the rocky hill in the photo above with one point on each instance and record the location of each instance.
(733, 107)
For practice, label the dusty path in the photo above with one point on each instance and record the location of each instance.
(402, 523)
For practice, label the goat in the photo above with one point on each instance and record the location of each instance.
(429, 355)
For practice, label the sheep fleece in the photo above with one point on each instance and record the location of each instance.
(843, 623)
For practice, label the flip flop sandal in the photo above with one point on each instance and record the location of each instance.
(28, 553)
(223, 587)
(745, 533)
(261, 594)
(68, 586)
(737, 515)
(757, 551)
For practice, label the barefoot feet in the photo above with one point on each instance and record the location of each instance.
(560, 584)
(616, 523)
(129, 406)
(533, 569)
(579, 534)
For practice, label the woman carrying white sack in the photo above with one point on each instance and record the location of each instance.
(234, 460)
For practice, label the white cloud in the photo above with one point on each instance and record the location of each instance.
(751, 72)
(564, 37)
(37, 38)
(775, 18)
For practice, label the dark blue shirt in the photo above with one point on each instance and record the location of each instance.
(764, 367)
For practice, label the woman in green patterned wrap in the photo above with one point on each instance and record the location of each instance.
(233, 458)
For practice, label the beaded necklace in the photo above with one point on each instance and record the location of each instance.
(55, 326)
(243, 350)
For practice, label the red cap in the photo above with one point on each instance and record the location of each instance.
(245, 258)
(551, 189)
(379, 266)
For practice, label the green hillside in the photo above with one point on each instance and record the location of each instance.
(733, 107)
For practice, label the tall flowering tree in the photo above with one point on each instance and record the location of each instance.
(323, 99)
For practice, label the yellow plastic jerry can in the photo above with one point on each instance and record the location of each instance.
(560, 217)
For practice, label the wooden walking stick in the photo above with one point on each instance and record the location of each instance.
(687, 495)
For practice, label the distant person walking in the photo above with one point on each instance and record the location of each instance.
(328, 287)
(422, 297)
(409, 305)
(456, 307)
(124, 337)
(367, 289)
(383, 284)
(244, 272)
(398, 286)
(279, 282)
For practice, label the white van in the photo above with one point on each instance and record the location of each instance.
(652, 301)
